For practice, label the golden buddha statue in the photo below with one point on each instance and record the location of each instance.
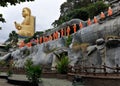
(26, 28)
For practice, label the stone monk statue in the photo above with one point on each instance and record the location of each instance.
(26, 28)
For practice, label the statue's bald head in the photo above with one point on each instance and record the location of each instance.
(26, 12)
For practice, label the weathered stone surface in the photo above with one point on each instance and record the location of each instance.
(95, 31)
(40, 54)
(91, 49)
(7, 56)
(97, 54)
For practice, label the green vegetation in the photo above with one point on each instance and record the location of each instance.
(48, 30)
(2, 19)
(33, 72)
(96, 8)
(10, 66)
(8, 46)
(7, 64)
(81, 10)
(62, 65)
(11, 2)
(27, 40)
(9, 72)
(13, 38)
(68, 41)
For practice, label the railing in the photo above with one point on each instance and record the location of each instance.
(86, 70)
(14, 70)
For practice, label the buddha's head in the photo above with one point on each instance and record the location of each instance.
(26, 12)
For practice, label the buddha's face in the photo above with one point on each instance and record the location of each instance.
(25, 13)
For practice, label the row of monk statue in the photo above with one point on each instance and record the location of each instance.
(27, 27)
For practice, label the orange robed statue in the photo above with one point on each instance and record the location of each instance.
(81, 25)
(22, 44)
(56, 33)
(37, 41)
(102, 15)
(110, 12)
(74, 27)
(89, 22)
(41, 39)
(95, 20)
(68, 31)
(62, 32)
(29, 44)
(50, 37)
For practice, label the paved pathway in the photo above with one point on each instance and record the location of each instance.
(3, 82)
(46, 81)
(56, 82)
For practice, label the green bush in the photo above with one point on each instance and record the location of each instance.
(62, 65)
(89, 11)
(27, 39)
(9, 72)
(33, 72)
(68, 41)
(10, 66)
(79, 13)
(95, 9)
(8, 46)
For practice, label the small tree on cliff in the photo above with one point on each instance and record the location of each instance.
(13, 38)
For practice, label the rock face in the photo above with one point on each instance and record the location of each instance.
(102, 52)
(40, 54)
(95, 31)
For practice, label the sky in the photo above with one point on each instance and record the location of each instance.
(45, 11)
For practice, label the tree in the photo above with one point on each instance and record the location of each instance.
(81, 9)
(13, 38)
(62, 65)
(66, 10)
(33, 72)
(1, 19)
(4, 3)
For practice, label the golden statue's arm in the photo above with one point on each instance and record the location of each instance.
(18, 26)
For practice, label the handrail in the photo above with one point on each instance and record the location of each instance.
(93, 69)
(76, 69)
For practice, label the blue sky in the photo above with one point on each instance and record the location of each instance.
(46, 11)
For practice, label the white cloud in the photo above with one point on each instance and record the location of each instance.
(46, 11)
